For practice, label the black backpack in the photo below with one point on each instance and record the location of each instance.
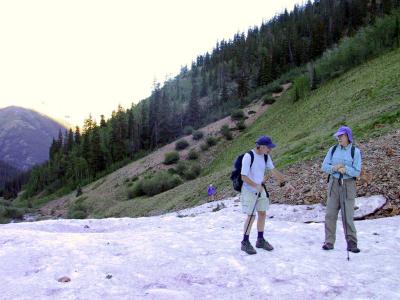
(236, 177)
(353, 149)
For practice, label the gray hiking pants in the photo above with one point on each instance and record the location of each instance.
(337, 195)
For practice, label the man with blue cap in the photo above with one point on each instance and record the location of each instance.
(253, 193)
(343, 164)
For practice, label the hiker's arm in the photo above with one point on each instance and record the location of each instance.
(278, 175)
(250, 182)
(327, 166)
(355, 169)
(282, 180)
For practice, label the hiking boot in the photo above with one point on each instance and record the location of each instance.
(262, 243)
(248, 248)
(352, 247)
(327, 246)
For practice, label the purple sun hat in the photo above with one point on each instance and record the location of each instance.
(345, 130)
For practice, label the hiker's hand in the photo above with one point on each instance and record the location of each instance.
(260, 188)
(336, 168)
(342, 170)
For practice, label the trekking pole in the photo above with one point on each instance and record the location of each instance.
(252, 213)
(343, 210)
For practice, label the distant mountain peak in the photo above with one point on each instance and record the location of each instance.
(26, 136)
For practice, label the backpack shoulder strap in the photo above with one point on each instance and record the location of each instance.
(353, 149)
(333, 150)
(251, 158)
(265, 158)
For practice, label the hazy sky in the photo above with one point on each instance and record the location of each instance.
(71, 58)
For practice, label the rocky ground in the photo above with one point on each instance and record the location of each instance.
(380, 175)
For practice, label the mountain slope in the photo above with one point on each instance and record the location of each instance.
(25, 136)
(367, 98)
(195, 257)
(7, 173)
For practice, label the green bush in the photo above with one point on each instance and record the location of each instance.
(193, 154)
(14, 212)
(2, 211)
(204, 147)
(226, 132)
(181, 144)
(267, 99)
(77, 214)
(211, 141)
(5, 203)
(301, 87)
(198, 135)
(237, 115)
(150, 186)
(241, 125)
(275, 88)
(78, 209)
(136, 190)
(188, 130)
(192, 172)
(171, 171)
(171, 158)
(161, 182)
(181, 167)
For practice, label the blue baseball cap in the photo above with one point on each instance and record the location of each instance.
(265, 141)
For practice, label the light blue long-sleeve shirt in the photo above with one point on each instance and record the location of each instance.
(342, 155)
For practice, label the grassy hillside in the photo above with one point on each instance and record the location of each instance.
(366, 98)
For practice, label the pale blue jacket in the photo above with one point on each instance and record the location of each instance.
(342, 155)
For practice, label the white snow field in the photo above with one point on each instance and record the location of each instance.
(195, 254)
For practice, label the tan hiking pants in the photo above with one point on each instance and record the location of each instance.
(337, 195)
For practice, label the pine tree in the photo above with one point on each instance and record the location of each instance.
(264, 73)
(54, 148)
(102, 122)
(118, 135)
(204, 86)
(144, 130)
(165, 119)
(88, 124)
(193, 111)
(386, 6)
(70, 141)
(224, 93)
(96, 158)
(131, 133)
(243, 88)
(86, 146)
(77, 135)
(155, 116)
(59, 141)
(397, 32)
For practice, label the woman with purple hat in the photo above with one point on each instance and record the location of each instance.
(343, 164)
